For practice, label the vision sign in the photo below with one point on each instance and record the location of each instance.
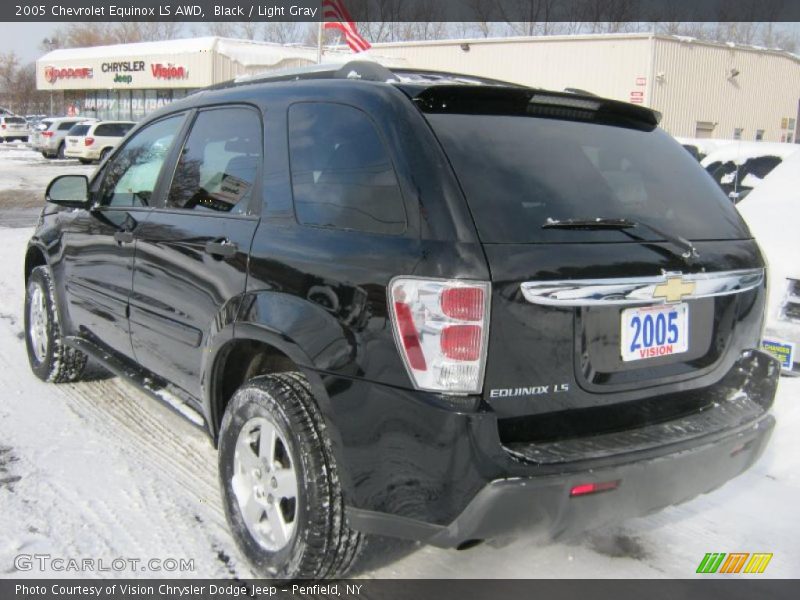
(168, 71)
(53, 74)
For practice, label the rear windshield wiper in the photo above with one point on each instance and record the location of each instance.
(688, 251)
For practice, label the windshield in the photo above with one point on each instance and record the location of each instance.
(517, 172)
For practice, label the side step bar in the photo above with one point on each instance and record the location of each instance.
(174, 399)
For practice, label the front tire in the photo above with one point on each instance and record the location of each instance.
(50, 359)
(279, 482)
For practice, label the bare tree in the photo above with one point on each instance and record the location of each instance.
(18, 85)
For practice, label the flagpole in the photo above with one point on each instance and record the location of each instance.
(319, 42)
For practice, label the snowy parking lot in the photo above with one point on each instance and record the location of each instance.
(97, 469)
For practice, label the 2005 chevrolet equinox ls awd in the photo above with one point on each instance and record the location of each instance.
(414, 304)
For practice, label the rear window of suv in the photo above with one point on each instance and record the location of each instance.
(16, 120)
(78, 130)
(519, 171)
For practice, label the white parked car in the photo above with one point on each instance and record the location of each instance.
(13, 128)
(740, 167)
(51, 141)
(93, 140)
(772, 212)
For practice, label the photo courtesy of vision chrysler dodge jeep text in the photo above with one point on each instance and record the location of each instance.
(414, 304)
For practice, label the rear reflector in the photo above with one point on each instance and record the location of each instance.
(441, 328)
(584, 489)
(409, 336)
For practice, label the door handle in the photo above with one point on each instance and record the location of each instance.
(123, 237)
(221, 249)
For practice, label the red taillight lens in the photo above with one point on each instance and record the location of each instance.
(47, 133)
(4, 125)
(463, 303)
(440, 327)
(409, 336)
(585, 489)
(462, 342)
(88, 141)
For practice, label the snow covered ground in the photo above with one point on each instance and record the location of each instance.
(97, 469)
(24, 174)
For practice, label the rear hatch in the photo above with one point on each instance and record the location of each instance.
(619, 269)
(15, 125)
(75, 139)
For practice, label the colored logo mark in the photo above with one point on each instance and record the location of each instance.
(734, 562)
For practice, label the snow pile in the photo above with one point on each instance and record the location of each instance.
(772, 211)
(740, 152)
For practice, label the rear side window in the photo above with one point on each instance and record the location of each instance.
(218, 164)
(66, 125)
(79, 130)
(342, 176)
(518, 171)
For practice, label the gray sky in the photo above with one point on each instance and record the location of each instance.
(24, 38)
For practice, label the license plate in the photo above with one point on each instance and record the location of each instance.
(653, 331)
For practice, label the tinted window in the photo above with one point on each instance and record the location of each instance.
(341, 172)
(219, 162)
(66, 125)
(518, 171)
(112, 129)
(79, 130)
(17, 120)
(131, 177)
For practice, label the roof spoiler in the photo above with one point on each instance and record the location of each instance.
(535, 103)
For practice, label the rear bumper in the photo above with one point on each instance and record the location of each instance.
(488, 492)
(505, 507)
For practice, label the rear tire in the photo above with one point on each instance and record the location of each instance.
(104, 154)
(60, 153)
(50, 359)
(316, 542)
(84, 161)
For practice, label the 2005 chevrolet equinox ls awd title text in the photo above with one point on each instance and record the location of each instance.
(415, 304)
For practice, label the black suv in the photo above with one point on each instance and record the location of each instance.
(414, 304)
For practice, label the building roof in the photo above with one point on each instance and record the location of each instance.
(245, 52)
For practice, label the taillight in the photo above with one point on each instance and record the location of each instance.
(47, 133)
(4, 126)
(441, 328)
(87, 141)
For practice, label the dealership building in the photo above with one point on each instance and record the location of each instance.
(703, 89)
(128, 81)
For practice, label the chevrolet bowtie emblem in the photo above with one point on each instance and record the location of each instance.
(674, 289)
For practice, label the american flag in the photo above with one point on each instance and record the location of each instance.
(337, 17)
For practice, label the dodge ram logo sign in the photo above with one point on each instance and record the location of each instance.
(53, 74)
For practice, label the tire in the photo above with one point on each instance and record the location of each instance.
(84, 161)
(319, 544)
(45, 155)
(50, 359)
(105, 152)
(60, 153)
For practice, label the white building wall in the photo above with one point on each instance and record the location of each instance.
(693, 82)
(553, 62)
(687, 81)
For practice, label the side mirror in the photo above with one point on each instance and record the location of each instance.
(71, 191)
